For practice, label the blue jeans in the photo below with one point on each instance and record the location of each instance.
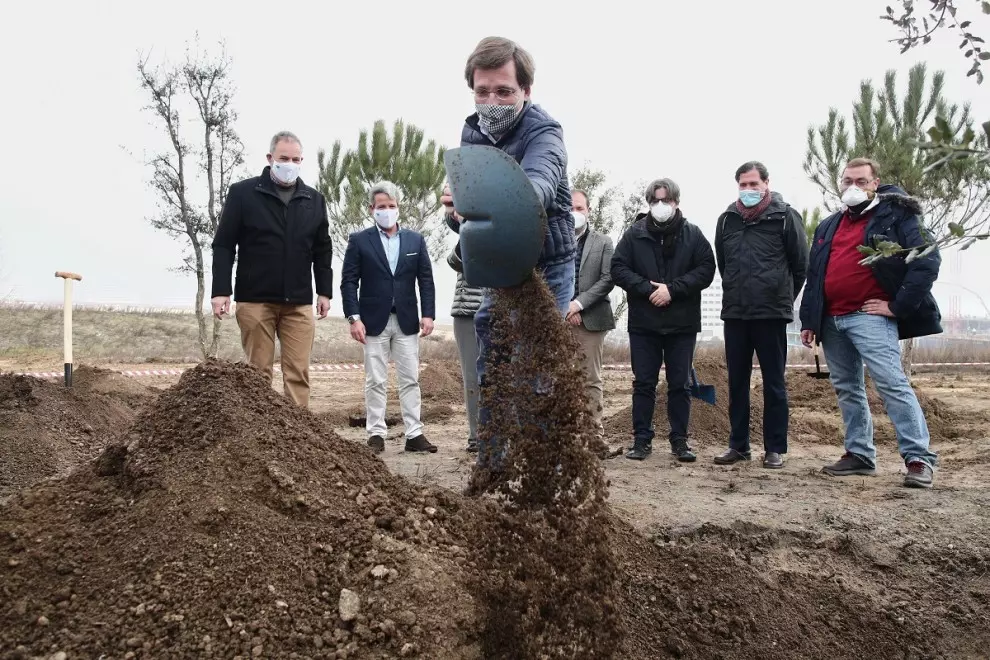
(850, 341)
(560, 279)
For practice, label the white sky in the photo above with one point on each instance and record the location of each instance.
(643, 90)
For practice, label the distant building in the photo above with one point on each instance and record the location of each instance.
(711, 312)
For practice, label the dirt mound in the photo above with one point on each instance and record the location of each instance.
(87, 379)
(227, 521)
(356, 416)
(440, 382)
(46, 428)
(709, 425)
(548, 583)
(709, 599)
(814, 411)
(822, 420)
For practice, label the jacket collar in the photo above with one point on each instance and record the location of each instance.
(777, 205)
(474, 123)
(267, 185)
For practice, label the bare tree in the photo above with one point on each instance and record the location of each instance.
(201, 88)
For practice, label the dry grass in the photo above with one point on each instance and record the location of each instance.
(33, 334)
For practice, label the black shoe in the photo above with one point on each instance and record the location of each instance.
(732, 456)
(472, 446)
(639, 451)
(849, 465)
(377, 443)
(679, 448)
(773, 461)
(420, 443)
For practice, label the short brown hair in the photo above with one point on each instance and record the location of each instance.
(495, 52)
(860, 162)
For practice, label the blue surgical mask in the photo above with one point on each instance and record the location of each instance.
(750, 198)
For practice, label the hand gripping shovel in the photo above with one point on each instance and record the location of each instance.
(817, 373)
(504, 221)
(704, 392)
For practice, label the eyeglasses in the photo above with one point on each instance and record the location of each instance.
(501, 93)
(859, 183)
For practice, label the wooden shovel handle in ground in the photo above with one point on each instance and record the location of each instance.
(66, 275)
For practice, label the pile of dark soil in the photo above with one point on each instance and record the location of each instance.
(440, 382)
(548, 579)
(815, 412)
(710, 597)
(46, 429)
(228, 522)
(709, 425)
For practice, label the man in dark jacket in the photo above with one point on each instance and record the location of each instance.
(762, 253)
(501, 73)
(590, 313)
(858, 312)
(279, 225)
(387, 262)
(467, 300)
(663, 262)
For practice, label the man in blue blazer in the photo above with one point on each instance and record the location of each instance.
(386, 262)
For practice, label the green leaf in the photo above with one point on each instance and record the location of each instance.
(986, 7)
(866, 250)
(956, 229)
(943, 127)
(985, 55)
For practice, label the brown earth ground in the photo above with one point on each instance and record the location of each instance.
(717, 562)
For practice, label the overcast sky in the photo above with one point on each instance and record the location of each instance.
(643, 90)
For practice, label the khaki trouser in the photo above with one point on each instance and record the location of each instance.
(378, 350)
(295, 327)
(593, 348)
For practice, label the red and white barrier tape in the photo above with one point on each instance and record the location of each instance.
(152, 373)
(628, 367)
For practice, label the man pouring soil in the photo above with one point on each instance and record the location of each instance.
(500, 74)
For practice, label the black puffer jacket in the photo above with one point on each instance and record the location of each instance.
(280, 247)
(687, 274)
(763, 264)
(896, 218)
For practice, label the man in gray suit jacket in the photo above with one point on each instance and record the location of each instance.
(590, 312)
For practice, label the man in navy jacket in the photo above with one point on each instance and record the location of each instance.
(501, 73)
(858, 312)
(386, 263)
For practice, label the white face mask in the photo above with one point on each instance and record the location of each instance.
(854, 196)
(580, 222)
(661, 212)
(386, 218)
(286, 173)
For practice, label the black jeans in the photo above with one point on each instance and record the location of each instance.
(768, 338)
(648, 352)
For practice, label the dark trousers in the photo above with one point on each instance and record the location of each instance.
(768, 338)
(648, 352)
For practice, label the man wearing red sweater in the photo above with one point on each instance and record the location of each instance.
(859, 312)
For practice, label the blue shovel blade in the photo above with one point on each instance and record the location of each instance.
(504, 221)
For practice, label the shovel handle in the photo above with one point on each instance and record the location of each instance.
(66, 275)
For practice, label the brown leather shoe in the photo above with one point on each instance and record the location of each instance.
(377, 443)
(420, 443)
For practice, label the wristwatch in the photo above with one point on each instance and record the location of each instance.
(353, 317)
